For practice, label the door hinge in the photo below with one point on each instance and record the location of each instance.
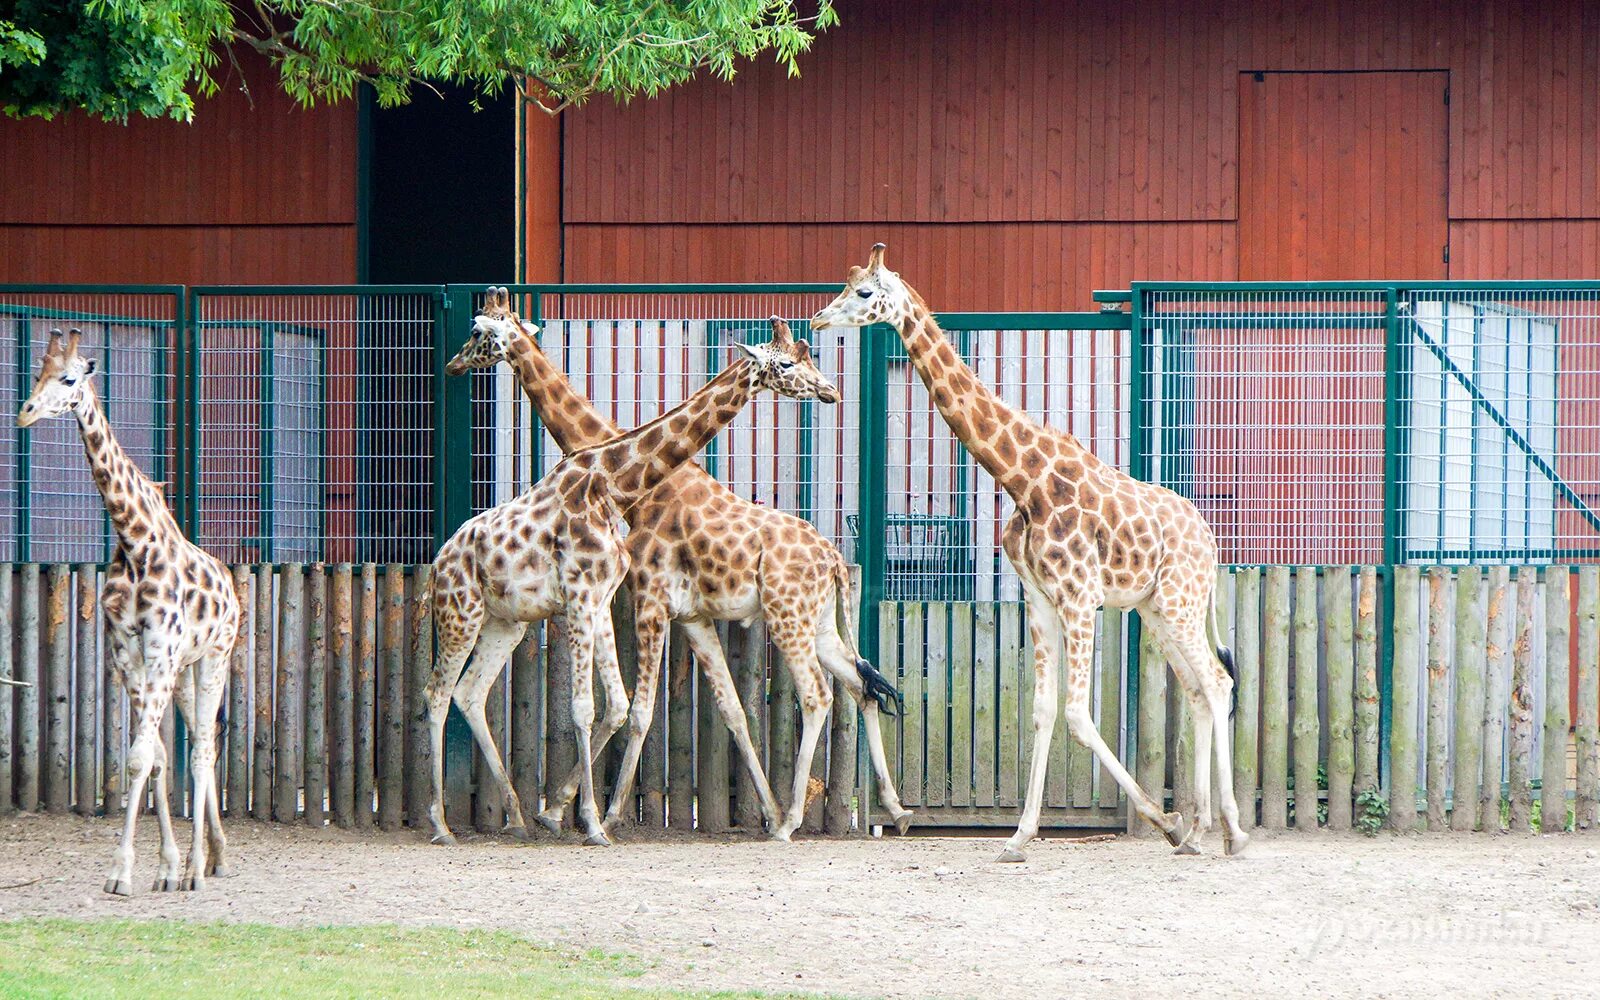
(1447, 253)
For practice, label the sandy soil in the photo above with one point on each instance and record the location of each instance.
(1318, 915)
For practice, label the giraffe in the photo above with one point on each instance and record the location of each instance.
(171, 620)
(1084, 534)
(700, 554)
(556, 550)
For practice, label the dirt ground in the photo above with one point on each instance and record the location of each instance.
(1318, 915)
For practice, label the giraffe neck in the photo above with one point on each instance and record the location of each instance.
(638, 461)
(570, 418)
(979, 418)
(136, 506)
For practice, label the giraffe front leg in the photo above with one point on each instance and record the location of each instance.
(496, 640)
(650, 628)
(841, 663)
(816, 695)
(1045, 629)
(714, 669)
(1201, 822)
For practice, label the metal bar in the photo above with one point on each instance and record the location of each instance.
(24, 450)
(874, 430)
(1138, 468)
(266, 392)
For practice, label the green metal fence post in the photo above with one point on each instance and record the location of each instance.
(535, 428)
(452, 484)
(24, 450)
(1138, 468)
(186, 322)
(874, 430)
(1394, 404)
(265, 527)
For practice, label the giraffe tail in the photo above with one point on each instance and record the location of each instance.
(877, 686)
(1224, 654)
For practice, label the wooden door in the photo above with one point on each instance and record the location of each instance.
(1343, 176)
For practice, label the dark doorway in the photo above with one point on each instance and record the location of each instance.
(441, 189)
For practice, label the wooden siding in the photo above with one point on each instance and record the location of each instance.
(179, 254)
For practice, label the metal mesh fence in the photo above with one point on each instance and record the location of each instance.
(1266, 408)
(315, 424)
(50, 509)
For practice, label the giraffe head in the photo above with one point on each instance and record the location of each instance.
(785, 366)
(872, 294)
(492, 332)
(62, 383)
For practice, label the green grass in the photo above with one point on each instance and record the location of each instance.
(125, 958)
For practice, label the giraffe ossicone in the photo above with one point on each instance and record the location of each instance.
(1084, 535)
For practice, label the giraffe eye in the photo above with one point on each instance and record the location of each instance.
(65, 380)
(865, 293)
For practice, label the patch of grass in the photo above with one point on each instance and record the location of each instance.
(85, 960)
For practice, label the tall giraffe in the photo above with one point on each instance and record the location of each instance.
(700, 554)
(171, 620)
(556, 550)
(1084, 535)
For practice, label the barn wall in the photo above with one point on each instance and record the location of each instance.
(1042, 150)
(255, 190)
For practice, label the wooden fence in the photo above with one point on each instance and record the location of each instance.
(1490, 718)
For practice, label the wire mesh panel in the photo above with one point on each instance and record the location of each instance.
(1266, 408)
(50, 509)
(1499, 443)
(944, 514)
(315, 413)
(634, 355)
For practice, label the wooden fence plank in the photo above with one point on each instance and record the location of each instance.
(1151, 751)
(58, 690)
(680, 729)
(1497, 692)
(912, 649)
(261, 744)
(712, 791)
(8, 694)
(27, 793)
(1439, 650)
(316, 682)
(287, 766)
(1009, 668)
(1557, 707)
(1110, 716)
(819, 771)
(366, 694)
(1366, 680)
(653, 762)
(527, 704)
(1275, 702)
(783, 731)
(1469, 700)
(1587, 805)
(1180, 742)
(961, 616)
(750, 677)
(936, 773)
(419, 667)
(985, 691)
(87, 724)
(1341, 697)
(843, 765)
(114, 725)
(238, 718)
(342, 774)
(1520, 705)
(1403, 729)
(889, 665)
(1306, 723)
(1247, 690)
(392, 702)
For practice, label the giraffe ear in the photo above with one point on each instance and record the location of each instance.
(875, 261)
(90, 367)
(752, 352)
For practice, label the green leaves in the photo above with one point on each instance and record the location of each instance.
(114, 58)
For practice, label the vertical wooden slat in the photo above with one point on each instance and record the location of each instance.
(560, 747)
(1469, 701)
(1180, 745)
(783, 733)
(750, 675)
(680, 731)
(1010, 668)
(711, 777)
(1151, 763)
(1587, 806)
(85, 761)
(392, 700)
(238, 799)
(489, 808)
(1341, 697)
(912, 757)
(819, 771)
(527, 696)
(625, 635)
(113, 723)
(316, 684)
(1110, 717)
(960, 752)
(366, 692)
(261, 744)
(342, 775)
(1366, 680)
(1247, 690)
(936, 775)
(1275, 702)
(1403, 730)
(985, 689)
(1438, 692)
(8, 693)
(58, 691)
(842, 763)
(419, 784)
(1557, 709)
(1497, 692)
(1306, 723)
(287, 766)
(28, 695)
(1520, 705)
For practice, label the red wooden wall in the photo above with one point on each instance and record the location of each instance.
(1017, 156)
(247, 194)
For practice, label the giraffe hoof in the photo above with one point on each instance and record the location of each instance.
(597, 839)
(1174, 831)
(902, 823)
(168, 885)
(553, 825)
(218, 871)
(118, 887)
(192, 884)
(780, 837)
(1186, 849)
(1011, 856)
(1234, 846)
(519, 832)
(444, 839)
